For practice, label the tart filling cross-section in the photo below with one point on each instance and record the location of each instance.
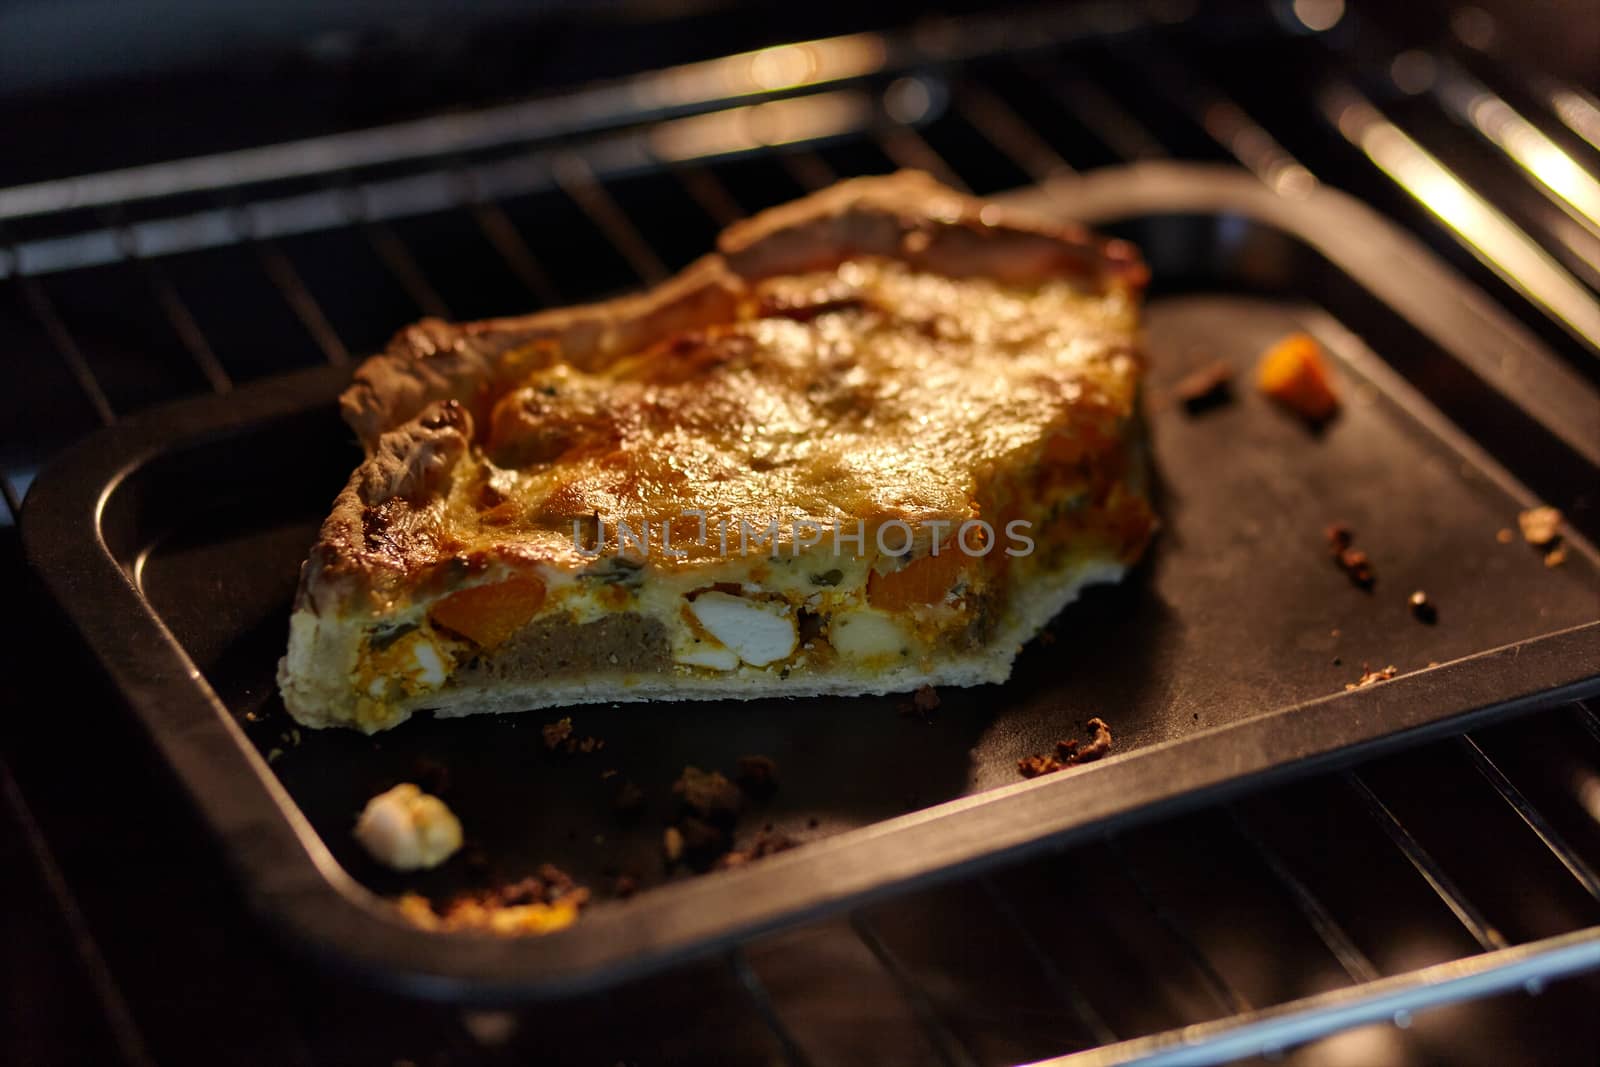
(875, 442)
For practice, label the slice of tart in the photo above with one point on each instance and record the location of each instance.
(875, 442)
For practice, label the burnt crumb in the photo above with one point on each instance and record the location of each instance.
(625, 886)
(1357, 567)
(559, 737)
(431, 775)
(1422, 608)
(1210, 386)
(628, 800)
(765, 843)
(1540, 526)
(1354, 562)
(922, 704)
(702, 841)
(1047, 637)
(548, 885)
(708, 794)
(1338, 661)
(757, 775)
(1370, 677)
(1340, 537)
(1069, 753)
(672, 844)
(813, 822)
(556, 733)
(540, 903)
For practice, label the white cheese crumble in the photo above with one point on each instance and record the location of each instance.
(866, 634)
(430, 667)
(408, 829)
(758, 632)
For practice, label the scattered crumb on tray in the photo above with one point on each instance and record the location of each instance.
(1357, 566)
(538, 904)
(556, 733)
(628, 800)
(1068, 753)
(708, 794)
(702, 835)
(1294, 373)
(672, 844)
(1207, 387)
(559, 737)
(765, 843)
(1369, 676)
(1556, 556)
(757, 775)
(1422, 608)
(1540, 526)
(1504, 535)
(924, 701)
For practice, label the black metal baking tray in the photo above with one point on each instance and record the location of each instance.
(173, 542)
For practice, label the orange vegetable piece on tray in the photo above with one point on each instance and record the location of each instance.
(489, 614)
(1294, 372)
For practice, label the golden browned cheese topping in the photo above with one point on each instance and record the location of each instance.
(870, 391)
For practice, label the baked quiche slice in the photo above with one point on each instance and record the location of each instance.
(875, 442)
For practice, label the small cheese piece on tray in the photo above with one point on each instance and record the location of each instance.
(408, 829)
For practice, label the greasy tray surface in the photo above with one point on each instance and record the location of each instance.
(1236, 617)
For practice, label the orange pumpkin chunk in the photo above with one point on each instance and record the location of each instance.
(1294, 373)
(923, 581)
(488, 615)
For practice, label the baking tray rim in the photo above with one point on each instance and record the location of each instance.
(295, 883)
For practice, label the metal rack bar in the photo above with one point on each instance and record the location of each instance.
(506, 238)
(1225, 122)
(283, 275)
(1588, 718)
(1101, 114)
(991, 116)
(172, 305)
(1093, 1022)
(1474, 105)
(1470, 917)
(13, 505)
(756, 992)
(707, 190)
(1221, 990)
(1271, 1030)
(908, 148)
(946, 1046)
(119, 1017)
(1531, 816)
(61, 339)
(392, 252)
(577, 179)
(1471, 219)
(809, 169)
(1339, 942)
